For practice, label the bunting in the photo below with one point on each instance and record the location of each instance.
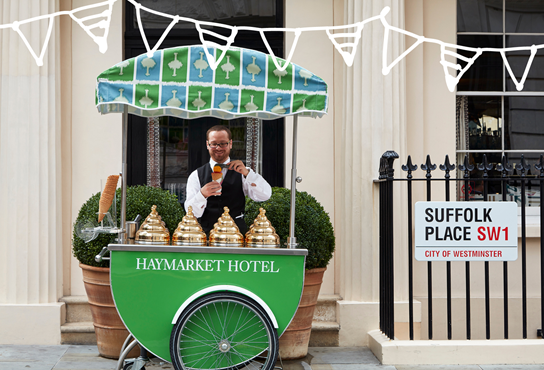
(345, 42)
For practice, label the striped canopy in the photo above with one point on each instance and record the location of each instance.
(179, 82)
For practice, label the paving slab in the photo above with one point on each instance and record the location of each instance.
(351, 367)
(156, 364)
(84, 357)
(15, 357)
(342, 355)
(301, 364)
(83, 349)
(512, 367)
(438, 367)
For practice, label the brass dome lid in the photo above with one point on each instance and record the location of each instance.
(153, 230)
(189, 231)
(262, 234)
(225, 232)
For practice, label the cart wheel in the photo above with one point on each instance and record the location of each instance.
(224, 331)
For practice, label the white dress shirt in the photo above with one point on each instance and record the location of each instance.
(254, 186)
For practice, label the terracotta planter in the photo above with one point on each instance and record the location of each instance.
(110, 330)
(295, 339)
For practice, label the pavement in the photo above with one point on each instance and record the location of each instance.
(81, 357)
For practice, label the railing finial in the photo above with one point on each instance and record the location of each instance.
(504, 167)
(409, 167)
(523, 167)
(466, 167)
(485, 166)
(447, 166)
(540, 166)
(428, 166)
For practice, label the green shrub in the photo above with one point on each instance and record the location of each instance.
(313, 228)
(140, 199)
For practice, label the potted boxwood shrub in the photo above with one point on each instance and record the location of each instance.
(109, 329)
(313, 231)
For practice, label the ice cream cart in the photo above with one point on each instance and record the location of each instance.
(203, 307)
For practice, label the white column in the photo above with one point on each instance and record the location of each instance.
(30, 180)
(373, 122)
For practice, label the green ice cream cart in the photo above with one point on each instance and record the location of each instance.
(204, 307)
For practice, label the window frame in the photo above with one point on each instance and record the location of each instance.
(504, 93)
(461, 152)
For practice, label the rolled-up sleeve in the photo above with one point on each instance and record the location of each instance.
(256, 187)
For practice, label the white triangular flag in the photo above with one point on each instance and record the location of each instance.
(291, 52)
(39, 59)
(229, 40)
(344, 47)
(386, 68)
(452, 81)
(103, 23)
(519, 84)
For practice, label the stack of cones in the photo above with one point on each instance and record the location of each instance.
(225, 233)
(106, 198)
(262, 233)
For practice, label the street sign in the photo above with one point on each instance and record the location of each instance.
(466, 231)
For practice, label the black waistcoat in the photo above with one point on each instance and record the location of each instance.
(232, 196)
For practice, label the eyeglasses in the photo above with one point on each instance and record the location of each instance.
(217, 145)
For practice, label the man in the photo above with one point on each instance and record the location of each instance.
(208, 197)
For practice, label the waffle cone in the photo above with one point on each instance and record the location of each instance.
(106, 198)
(216, 175)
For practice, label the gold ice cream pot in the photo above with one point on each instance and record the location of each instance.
(225, 232)
(189, 232)
(153, 230)
(262, 234)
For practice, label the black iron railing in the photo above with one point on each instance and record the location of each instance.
(504, 174)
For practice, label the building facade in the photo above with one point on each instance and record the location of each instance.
(56, 150)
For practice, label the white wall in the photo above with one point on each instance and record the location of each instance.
(315, 154)
(95, 139)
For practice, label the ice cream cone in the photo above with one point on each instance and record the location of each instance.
(106, 198)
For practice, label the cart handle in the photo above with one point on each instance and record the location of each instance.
(100, 256)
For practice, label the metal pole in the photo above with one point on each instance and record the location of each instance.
(122, 234)
(292, 239)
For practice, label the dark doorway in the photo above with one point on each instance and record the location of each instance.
(183, 141)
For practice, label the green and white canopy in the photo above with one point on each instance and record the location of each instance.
(180, 82)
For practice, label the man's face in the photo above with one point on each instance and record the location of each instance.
(219, 153)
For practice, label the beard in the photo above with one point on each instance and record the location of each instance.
(219, 157)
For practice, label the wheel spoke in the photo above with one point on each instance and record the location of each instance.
(199, 340)
(231, 337)
(243, 354)
(211, 321)
(203, 360)
(219, 321)
(248, 339)
(203, 319)
(206, 355)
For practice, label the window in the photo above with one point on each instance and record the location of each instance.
(493, 118)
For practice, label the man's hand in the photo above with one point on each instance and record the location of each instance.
(211, 188)
(239, 167)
